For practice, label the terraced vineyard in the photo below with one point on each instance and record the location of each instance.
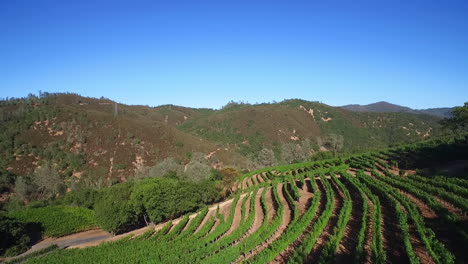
(358, 209)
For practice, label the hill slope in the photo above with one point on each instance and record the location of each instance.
(390, 108)
(96, 140)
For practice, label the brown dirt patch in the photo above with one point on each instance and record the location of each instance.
(284, 223)
(328, 230)
(237, 216)
(260, 178)
(351, 171)
(283, 256)
(254, 179)
(418, 247)
(425, 210)
(347, 247)
(205, 220)
(304, 201)
(367, 244)
(451, 208)
(392, 237)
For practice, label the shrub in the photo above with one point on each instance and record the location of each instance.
(165, 167)
(85, 197)
(163, 198)
(114, 213)
(15, 239)
(197, 171)
(266, 158)
(120, 166)
(129, 205)
(48, 181)
(155, 198)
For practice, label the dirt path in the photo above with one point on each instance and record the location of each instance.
(286, 218)
(283, 256)
(392, 237)
(348, 243)
(369, 233)
(304, 200)
(244, 183)
(205, 220)
(251, 180)
(68, 241)
(258, 220)
(425, 210)
(237, 216)
(351, 171)
(323, 238)
(418, 246)
(260, 178)
(427, 213)
(254, 179)
(451, 208)
(259, 216)
(439, 226)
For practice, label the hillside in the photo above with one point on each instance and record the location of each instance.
(250, 127)
(382, 107)
(362, 209)
(97, 142)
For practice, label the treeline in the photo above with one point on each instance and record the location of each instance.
(430, 153)
(129, 205)
(116, 209)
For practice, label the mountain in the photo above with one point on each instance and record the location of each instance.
(92, 140)
(384, 107)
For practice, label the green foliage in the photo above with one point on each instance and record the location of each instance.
(128, 205)
(114, 211)
(34, 254)
(459, 119)
(15, 238)
(83, 197)
(197, 171)
(321, 155)
(120, 166)
(24, 187)
(48, 181)
(57, 220)
(164, 198)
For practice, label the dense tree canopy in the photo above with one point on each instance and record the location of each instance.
(152, 200)
(459, 120)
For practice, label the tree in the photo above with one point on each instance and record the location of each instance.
(332, 142)
(166, 167)
(230, 177)
(114, 211)
(197, 171)
(266, 157)
(48, 181)
(14, 234)
(23, 187)
(294, 152)
(459, 119)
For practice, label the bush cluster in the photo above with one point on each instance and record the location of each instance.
(125, 206)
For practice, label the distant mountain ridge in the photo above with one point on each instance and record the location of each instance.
(385, 107)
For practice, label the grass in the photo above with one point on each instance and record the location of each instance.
(58, 220)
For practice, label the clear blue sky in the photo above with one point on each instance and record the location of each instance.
(205, 53)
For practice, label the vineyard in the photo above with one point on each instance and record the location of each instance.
(367, 208)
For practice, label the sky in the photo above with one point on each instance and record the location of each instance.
(206, 53)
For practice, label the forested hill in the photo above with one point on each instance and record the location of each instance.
(97, 142)
(443, 112)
